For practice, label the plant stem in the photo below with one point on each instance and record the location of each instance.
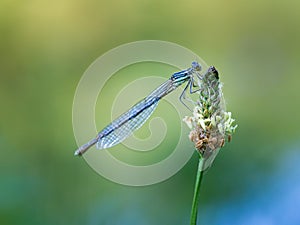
(196, 192)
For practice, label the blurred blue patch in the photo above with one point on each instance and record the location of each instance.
(274, 200)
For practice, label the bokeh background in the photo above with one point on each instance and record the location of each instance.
(45, 47)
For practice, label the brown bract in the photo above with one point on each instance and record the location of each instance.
(208, 139)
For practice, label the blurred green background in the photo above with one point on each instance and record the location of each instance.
(45, 47)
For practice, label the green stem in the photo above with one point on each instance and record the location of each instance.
(196, 192)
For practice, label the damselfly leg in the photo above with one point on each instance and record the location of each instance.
(190, 84)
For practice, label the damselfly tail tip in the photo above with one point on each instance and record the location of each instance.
(81, 150)
(77, 153)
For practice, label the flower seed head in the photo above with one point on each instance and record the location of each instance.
(210, 124)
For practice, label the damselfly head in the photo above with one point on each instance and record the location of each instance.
(196, 66)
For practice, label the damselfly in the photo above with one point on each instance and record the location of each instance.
(136, 116)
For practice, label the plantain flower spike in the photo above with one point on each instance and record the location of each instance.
(211, 125)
